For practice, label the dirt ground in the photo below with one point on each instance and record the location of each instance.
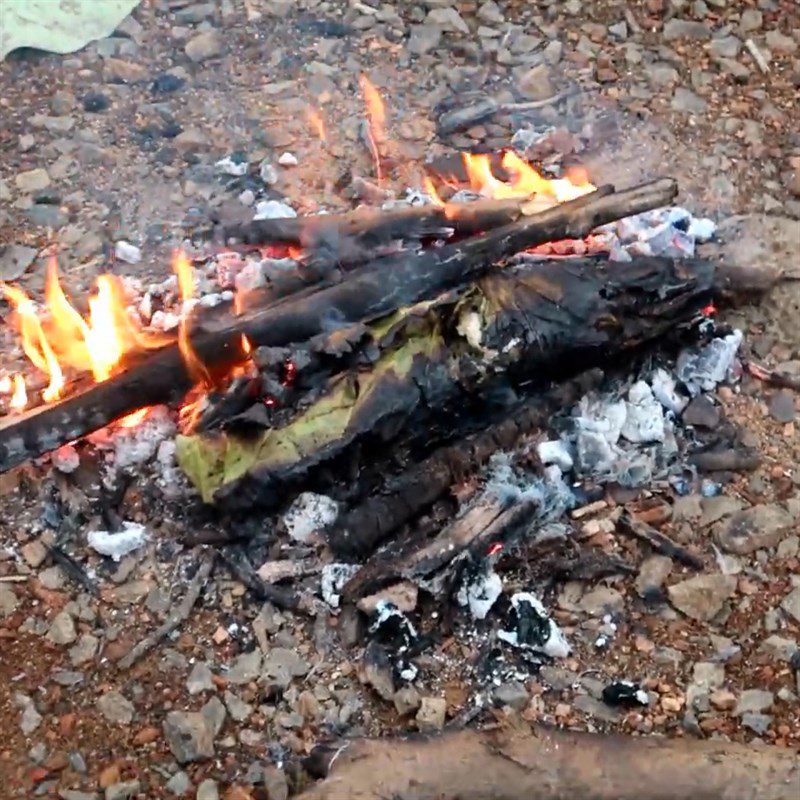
(128, 131)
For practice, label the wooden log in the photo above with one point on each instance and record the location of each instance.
(547, 764)
(369, 292)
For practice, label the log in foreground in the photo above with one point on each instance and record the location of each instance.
(369, 292)
(544, 764)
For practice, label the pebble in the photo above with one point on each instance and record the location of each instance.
(15, 260)
(751, 20)
(30, 718)
(512, 694)
(535, 83)
(127, 252)
(116, 70)
(8, 600)
(275, 783)
(702, 413)
(779, 42)
(207, 790)
(33, 180)
(200, 679)
(179, 783)
(237, 708)
(754, 701)
(653, 572)
(431, 714)
(753, 529)
(726, 47)
(95, 102)
(204, 46)
(62, 629)
(124, 790)
(189, 736)
(686, 29)
(702, 597)
(406, 700)
(685, 100)
(781, 406)
(722, 700)
(116, 708)
(448, 19)
(791, 604)
(246, 668)
(758, 723)
(423, 39)
(288, 160)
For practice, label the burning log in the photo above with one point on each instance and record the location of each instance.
(372, 291)
(519, 763)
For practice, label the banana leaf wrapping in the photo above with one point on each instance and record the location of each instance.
(426, 364)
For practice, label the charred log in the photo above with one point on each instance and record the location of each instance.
(546, 764)
(368, 293)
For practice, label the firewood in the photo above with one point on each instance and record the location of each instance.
(371, 291)
(519, 763)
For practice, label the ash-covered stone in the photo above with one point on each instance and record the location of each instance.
(480, 588)
(625, 693)
(273, 209)
(334, 577)
(308, 514)
(116, 545)
(703, 368)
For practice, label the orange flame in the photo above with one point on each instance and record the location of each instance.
(525, 180)
(376, 121)
(247, 348)
(314, 116)
(6, 384)
(19, 397)
(430, 190)
(134, 418)
(183, 269)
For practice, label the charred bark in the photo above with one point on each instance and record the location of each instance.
(546, 764)
(368, 293)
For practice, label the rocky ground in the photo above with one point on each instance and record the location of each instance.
(118, 143)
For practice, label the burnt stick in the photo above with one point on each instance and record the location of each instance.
(369, 292)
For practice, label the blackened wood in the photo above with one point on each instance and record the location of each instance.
(363, 529)
(369, 292)
(660, 542)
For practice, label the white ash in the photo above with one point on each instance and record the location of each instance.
(666, 392)
(644, 416)
(229, 166)
(127, 252)
(273, 209)
(66, 459)
(164, 321)
(137, 445)
(308, 514)
(388, 617)
(480, 591)
(215, 299)
(704, 368)
(555, 452)
(116, 545)
(533, 629)
(288, 160)
(334, 577)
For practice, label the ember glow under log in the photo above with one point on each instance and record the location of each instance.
(372, 291)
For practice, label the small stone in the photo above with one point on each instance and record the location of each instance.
(33, 180)
(116, 708)
(687, 508)
(701, 413)
(246, 668)
(376, 670)
(191, 139)
(779, 647)
(200, 679)
(753, 701)
(602, 600)
(431, 714)
(214, 714)
(288, 160)
(781, 406)
(726, 47)
(553, 52)
(723, 700)
(687, 101)
(127, 252)
(686, 29)
(237, 708)
(84, 650)
(204, 46)
(122, 791)
(535, 83)
(512, 694)
(702, 597)
(188, 736)
(751, 20)
(62, 629)
(275, 783)
(448, 19)
(715, 508)
(753, 529)
(207, 790)
(115, 70)
(179, 783)
(758, 723)
(30, 719)
(8, 600)
(490, 12)
(423, 39)
(14, 260)
(652, 574)
(779, 42)
(791, 604)
(406, 700)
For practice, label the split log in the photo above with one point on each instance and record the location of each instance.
(368, 293)
(547, 764)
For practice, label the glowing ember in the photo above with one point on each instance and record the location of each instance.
(183, 269)
(376, 122)
(317, 123)
(525, 180)
(134, 419)
(247, 348)
(430, 190)
(19, 397)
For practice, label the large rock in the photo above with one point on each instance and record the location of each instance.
(701, 597)
(754, 529)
